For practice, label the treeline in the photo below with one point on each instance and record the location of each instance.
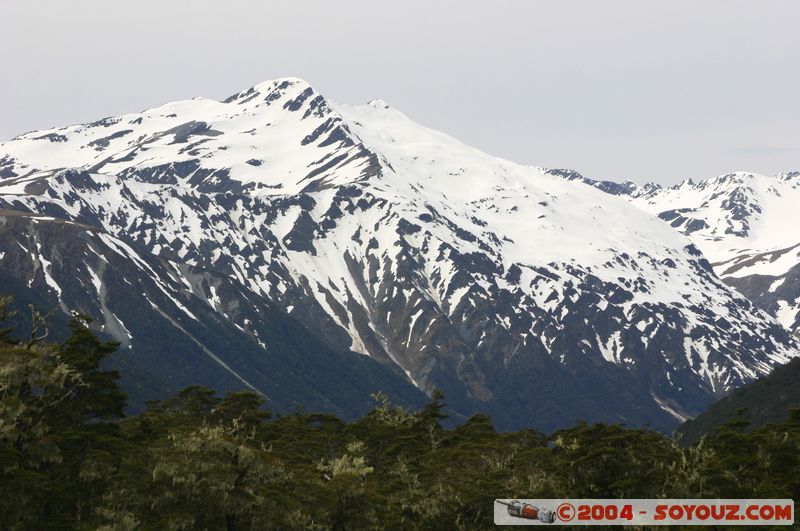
(69, 459)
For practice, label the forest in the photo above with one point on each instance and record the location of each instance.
(71, 459)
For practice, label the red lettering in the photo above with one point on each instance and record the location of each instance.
(676, 512)
(717, 512)
(783, 512)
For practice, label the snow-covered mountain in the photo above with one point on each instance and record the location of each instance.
(748, 226)
(179, 325)
(515, 291)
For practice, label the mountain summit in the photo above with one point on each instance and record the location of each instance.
(517, 292)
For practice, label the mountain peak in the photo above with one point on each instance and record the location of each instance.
(283, 83)
(278, 136)
(454, 268)
(274, 88)
(378, 104)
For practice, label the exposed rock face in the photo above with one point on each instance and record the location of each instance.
(179, 325)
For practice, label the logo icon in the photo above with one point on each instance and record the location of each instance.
(517, 509)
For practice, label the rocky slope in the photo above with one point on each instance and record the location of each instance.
(179, 325)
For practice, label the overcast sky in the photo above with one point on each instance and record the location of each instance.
(615, 89)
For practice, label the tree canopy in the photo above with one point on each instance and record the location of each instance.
(69, 459)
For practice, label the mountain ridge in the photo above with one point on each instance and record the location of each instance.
(744, 222)
(511, 289)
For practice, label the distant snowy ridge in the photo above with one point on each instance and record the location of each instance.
(745, 223)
